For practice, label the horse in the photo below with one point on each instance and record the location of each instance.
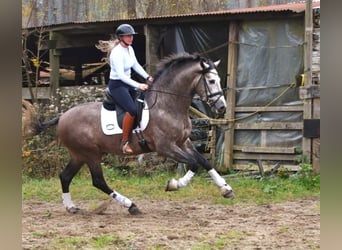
(178, 79)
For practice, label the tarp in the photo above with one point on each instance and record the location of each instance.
(209, 40)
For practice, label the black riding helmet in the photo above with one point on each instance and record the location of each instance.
(125, 29)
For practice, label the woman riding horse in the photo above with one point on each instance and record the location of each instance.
(122, 59)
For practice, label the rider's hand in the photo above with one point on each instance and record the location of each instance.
(143, 86)
(149, 80)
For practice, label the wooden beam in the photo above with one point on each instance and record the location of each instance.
(197, 114)
(270, 157)
(74, 41)
(212, 144)
(307, 112)
(230, 113)
(54, 74)
(269, 126)
(298, 108)
(273, 150)
(147, 48)
(266, 165)
(152, 58)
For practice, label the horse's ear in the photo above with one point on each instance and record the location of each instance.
(217, 63)
(204, 64)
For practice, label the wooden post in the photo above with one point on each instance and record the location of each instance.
(147, 48)
(54, 54)
(307, 111)
(151, 48)
(78, 73)
(230, 114)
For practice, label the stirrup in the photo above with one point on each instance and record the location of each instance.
(126, 149)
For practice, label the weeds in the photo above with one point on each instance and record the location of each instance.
(308, 177)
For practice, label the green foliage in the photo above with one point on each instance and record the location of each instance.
(308, 177)
(43, 157)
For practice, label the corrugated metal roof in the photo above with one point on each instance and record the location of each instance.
(292, 7)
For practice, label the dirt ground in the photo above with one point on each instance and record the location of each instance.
(174, 225)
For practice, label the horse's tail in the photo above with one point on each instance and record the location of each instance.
(41, 126)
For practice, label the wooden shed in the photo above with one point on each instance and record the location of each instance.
(269, 68)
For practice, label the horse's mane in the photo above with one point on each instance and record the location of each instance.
(175, 61)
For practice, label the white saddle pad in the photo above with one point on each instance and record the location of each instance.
(109, 123)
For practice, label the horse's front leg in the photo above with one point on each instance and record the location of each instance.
(197, 159)
(226, 189)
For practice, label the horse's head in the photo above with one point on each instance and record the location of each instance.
(210, 91)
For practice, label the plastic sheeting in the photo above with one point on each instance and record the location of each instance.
(209, 40)
(270, 57)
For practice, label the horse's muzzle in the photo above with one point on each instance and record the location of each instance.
(220, 106)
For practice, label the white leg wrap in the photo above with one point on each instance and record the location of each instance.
(121, 199)
(184, 181)
(67, 202)
(219, 181)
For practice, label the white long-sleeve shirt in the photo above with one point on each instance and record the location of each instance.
(122, 60)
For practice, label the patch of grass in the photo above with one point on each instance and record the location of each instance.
(73, 242)
(247, 190)
(283, 229)
(38, 234)
(41, 189)
(96, 242)
(223, 241)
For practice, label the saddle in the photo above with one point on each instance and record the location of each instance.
(109, 104)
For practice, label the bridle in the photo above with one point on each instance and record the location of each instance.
(207, 89)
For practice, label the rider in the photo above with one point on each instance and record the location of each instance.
(122, 59)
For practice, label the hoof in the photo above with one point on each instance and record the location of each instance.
(134, 210)
(74, 210)
(228, 194)
(171, 185)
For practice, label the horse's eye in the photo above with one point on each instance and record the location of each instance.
(212, 81)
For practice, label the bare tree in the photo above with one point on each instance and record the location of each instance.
(131, 8)
(31, 60)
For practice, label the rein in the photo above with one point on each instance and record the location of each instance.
(207, 90)
(166, 92)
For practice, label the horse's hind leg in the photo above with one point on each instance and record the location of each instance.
(100, 183)
(66, 177)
